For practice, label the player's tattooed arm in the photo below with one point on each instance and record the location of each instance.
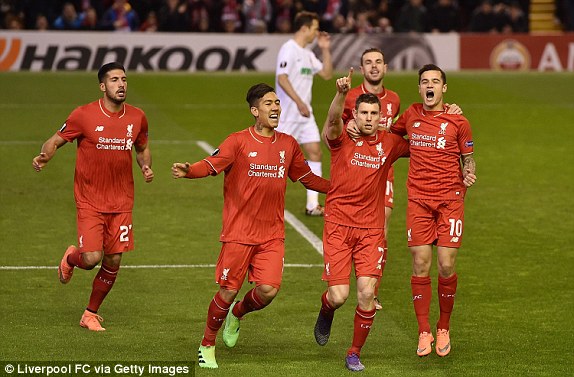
(468, 170)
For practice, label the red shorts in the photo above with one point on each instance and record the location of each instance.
(389, 191)
(108, 232)
(344, 245)
(263, 262)
(435, 222)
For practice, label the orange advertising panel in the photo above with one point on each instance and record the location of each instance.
(516, 52)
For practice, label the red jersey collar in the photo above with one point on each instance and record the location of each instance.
(262, 139)
(109, 114)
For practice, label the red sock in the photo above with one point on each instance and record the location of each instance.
(363, 322)
(103, 283)
(250, 303)
(75, 259)
(421, 287)
(215, 316)
(446, 295)
(326, 309)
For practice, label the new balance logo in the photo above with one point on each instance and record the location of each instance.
(252, 154)
(454, 239)
(359, 143)
(416, 124)
(99, 128)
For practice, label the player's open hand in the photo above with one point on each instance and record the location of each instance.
(179, 170)
(39, 161)
(147, 173)
(344, 83)
(353, 130)
(453, 109)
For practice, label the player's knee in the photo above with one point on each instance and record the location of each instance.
(366, 296)
(446, 270)
(91, 259)
(267, 293)
(338, 299)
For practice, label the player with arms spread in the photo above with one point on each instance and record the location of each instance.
(106, 130)
(354, 214)
(436, 187)
(257, 162)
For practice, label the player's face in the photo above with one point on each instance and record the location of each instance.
(367, 118)
(268, 111)
(115, 86)
(431, 90)
(373, 67)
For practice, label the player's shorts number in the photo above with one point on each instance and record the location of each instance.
(455, 227)
(125, 229)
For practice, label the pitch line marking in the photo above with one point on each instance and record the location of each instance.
(305, 232)
(150, 266)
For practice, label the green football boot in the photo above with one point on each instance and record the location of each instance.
(231, 328)
(206, 357)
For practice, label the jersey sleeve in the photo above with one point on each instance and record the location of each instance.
(284, 60)
(400, 126)
(222, 158)
(298, 168)
(71, 129)
(338, 142)
(465, 142)
(143, 135)
(401, 148)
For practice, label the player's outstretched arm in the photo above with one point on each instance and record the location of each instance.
(185, 170)
(334, 123)
(468, 170)
(179, 169)
(48, 151)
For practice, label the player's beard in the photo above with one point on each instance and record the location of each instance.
(116, 99)
(374, 82)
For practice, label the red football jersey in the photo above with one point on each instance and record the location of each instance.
(103, 179)
(256, 170)
(437, 141)
(359, 170)
(390, 105)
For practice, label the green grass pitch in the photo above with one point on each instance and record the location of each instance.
(515, 295)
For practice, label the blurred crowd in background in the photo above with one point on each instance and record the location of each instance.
(276, 16)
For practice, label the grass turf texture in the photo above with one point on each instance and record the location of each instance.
(514, 299)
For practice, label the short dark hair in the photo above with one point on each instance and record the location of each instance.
(367, 98)
(372, 49)
(109, 67)
(304, 18)
(256, 92)
(432, 67)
